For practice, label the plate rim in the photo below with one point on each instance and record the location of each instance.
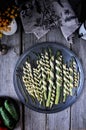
(74, 99)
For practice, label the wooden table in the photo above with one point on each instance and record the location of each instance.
(72, 118)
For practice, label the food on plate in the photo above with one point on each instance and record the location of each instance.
(51, 79)
(59, 77)
(9, 114)
(9, 106)
(7, 119)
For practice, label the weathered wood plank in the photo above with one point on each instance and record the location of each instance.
(57, 36)
(42, 121)
(58, 121)
(79, 47)
(30, 40)
(7, 64)
(78, 109)
(61, 120)
(33, 120)
(78, 113)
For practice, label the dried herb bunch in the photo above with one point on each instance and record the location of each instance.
(7, 15)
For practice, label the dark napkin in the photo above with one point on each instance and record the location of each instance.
(79, 7)
(5, 3)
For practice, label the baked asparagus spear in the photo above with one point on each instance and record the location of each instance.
(28, 78)
(71, 78)
(47, 63)
(58, 73)
(43, 76)
(38, 90)
(66, 90)
(75, 73)
(51, 81)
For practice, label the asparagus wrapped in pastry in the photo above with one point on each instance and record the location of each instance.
(28, 78)
(66, 82)
(59, 75)
(51, 86)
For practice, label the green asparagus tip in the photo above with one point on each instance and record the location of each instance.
(58, 53)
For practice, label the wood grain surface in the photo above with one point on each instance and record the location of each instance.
(7, 65)
(44, 121)
(78, 109)
(72, 118)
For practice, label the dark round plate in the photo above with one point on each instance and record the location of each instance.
(20, 88)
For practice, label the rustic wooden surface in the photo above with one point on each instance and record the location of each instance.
(72, 118)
